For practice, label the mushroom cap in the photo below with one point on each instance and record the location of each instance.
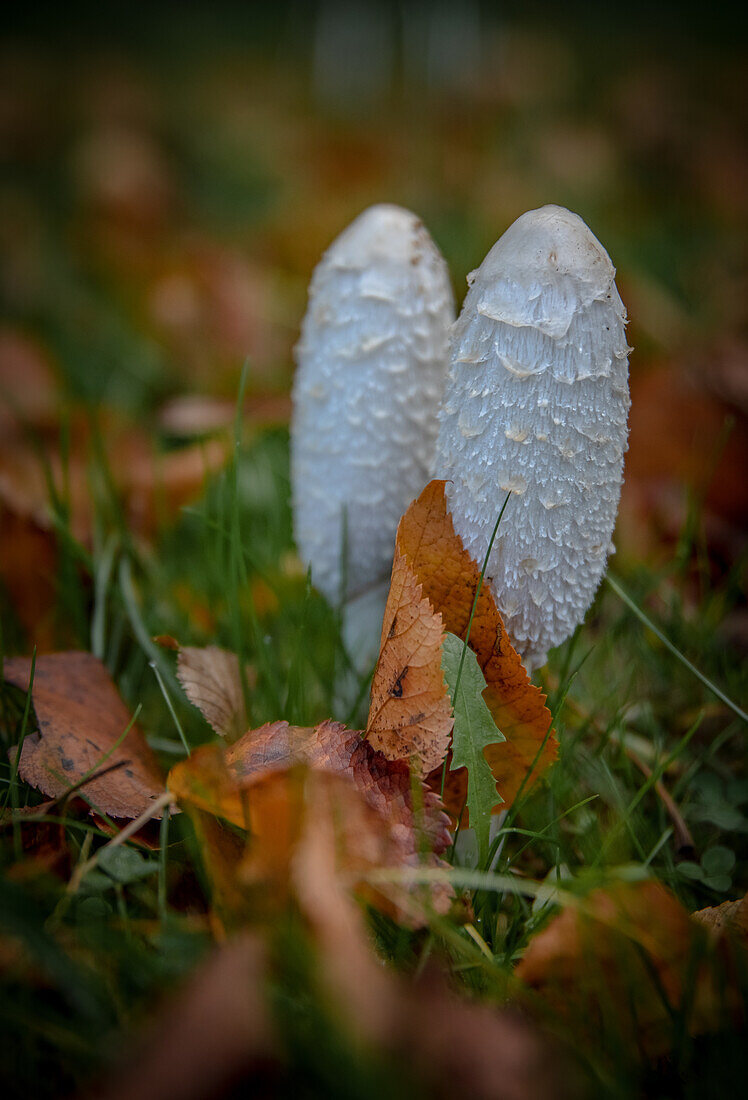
(546, 266)
(536, 403)
(371, 365)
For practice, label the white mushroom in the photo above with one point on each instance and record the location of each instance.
(537, 403)
(372, 363)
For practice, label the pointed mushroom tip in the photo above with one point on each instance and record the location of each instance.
(383, 229)
(549, 243)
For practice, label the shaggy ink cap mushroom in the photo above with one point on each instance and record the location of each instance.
(536, 403)
(371, 367)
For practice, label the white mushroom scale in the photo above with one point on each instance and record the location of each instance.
(537, 403)
(371, 368)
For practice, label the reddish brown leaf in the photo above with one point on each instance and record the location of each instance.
(231, 784)
(81, 717)
(449, 579)
(215, 1036)
(315, 836)
(386, 784)
(410, 717)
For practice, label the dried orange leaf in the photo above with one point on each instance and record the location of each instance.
(230, 783)
(316, 835)
(410, 717)
(449, 578)
(730, 917)
(211, 680)
(81, 718)
(625, 964)
(205, 782)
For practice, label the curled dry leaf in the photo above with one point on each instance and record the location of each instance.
(385, 784)
(626, 965)
(211, 680)
(392, 822)
(449, 579)
(81, 718)
(410, 717)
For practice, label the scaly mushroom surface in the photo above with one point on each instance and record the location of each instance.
(536, 403)
(371, 367)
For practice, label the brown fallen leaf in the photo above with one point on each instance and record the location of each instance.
(229, 784)
(156, 487)
(81, 718)
(211, 680)
(410, 717)
(318, 829)
(28, 568)
(216, 1031)
(386, 784)
(731, 918)
(215, 1036)
(449, 579)
(457, 1047)
(201, 414)
(206, 782)
(352, 977)
(303, 818)
(619, 970)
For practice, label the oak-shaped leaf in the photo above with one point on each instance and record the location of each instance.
(410, 717)
(82, 720)
(474, 731)
(449, 579)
